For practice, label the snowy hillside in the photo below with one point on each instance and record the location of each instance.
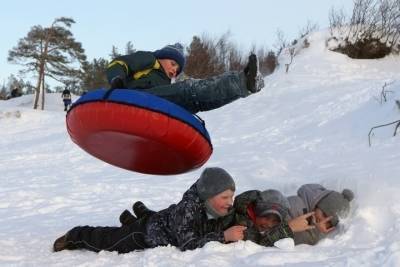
(310, 125)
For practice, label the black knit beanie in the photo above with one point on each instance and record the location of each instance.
(213, 181)
(174, 52)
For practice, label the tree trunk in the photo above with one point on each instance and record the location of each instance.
(43, 92)
(37, 91)
(41, 73)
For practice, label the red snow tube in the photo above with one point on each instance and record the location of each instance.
(138, 131)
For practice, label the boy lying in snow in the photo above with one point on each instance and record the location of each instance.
(265, 214)
(327, 206)
(204, 214)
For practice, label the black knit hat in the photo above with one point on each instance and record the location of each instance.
(174, 52)
(213, 181)
(336, 204)
(272, 202)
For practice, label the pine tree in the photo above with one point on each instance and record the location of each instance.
(129, 48)
(3, 92)
(114, 52)
(12, 83)
(207, 57)
(50, 52)
(202, 59)
(94, 76)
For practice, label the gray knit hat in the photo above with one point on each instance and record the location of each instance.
(336, 204)
(272, 201)
(213, 181)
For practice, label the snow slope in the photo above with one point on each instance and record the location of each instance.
(310, 125)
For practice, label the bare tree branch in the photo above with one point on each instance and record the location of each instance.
(385, 92)
(383, 125)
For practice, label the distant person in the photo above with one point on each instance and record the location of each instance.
(67, 99)
(15, 92)
(328, 206)
(153, 72)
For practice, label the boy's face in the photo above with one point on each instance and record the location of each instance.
(222, 202)
(267, 222)
(170, 67)
(320, 216)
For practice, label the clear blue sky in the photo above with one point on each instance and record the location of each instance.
(153, 24)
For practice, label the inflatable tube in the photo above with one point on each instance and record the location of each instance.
(138, 131)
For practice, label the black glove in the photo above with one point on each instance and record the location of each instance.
(117, 83)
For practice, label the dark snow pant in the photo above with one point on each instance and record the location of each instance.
(122, 239)
(202, 95)
(67, 102)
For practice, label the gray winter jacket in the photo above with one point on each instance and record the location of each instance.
(306, 200)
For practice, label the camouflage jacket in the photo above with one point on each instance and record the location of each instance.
(186, 225)
(246, 201)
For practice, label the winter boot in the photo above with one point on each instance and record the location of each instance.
(126, 218)
(254, 80)
(61, 243)
(141, 210)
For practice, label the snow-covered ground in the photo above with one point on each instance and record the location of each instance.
(310, 125)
